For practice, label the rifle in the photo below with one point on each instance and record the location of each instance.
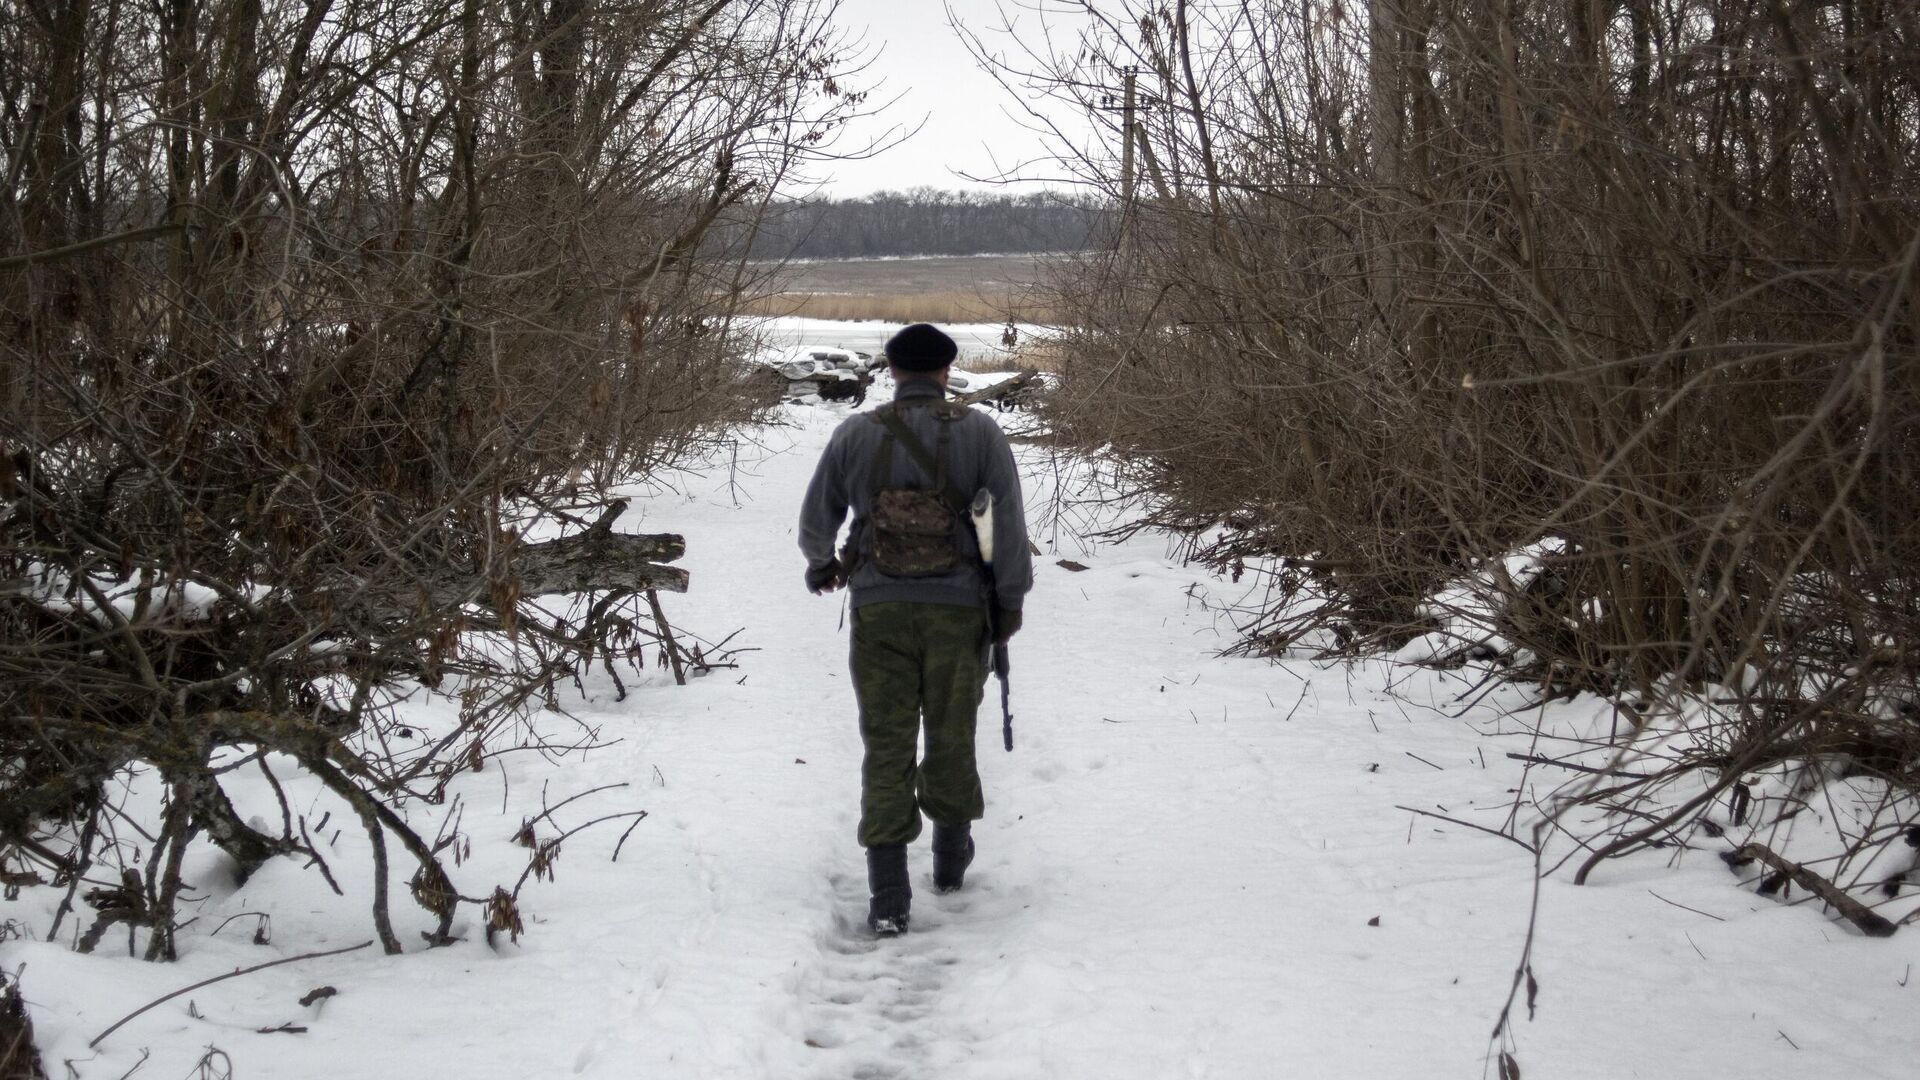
(1006, 708)
(981, 513)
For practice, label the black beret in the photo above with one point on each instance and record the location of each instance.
(921, 347)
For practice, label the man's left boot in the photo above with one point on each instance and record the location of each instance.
(952, 854)
(887, 912)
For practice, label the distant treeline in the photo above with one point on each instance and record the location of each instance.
(927, 221)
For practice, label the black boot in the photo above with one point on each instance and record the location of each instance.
(952, 854)
(892, 893)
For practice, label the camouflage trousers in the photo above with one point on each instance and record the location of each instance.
(917, 667)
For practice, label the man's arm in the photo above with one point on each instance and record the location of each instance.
(824, 508)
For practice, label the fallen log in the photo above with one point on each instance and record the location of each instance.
(594, 560)
(600, 560)
(1855, 912)
(597, 559)
(996, 391)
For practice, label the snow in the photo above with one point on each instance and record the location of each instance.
(1178, 876)
(143, 597)
(977, 341)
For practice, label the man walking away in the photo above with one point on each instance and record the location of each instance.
(926, 611)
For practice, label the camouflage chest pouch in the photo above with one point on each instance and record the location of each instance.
(916, 532)
(913, 534)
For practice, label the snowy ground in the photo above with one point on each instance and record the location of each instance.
(1191, 867)
(978, 341)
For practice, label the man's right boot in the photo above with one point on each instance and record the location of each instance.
(892, 892)
(952, 854)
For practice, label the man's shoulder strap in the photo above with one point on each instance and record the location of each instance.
(888, 416)
(939, 407)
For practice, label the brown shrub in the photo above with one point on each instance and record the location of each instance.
(1455, 280)
(285, 350)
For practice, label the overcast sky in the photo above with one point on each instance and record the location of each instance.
(966, 127)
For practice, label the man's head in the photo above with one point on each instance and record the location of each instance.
(921, 351)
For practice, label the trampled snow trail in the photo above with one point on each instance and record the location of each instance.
(1190, 867)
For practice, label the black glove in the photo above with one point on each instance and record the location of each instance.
(1006, 623)
(824, 578)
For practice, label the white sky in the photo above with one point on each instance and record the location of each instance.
(918, 58)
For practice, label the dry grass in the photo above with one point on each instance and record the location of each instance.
(1039, 353)
(987, 274)
(941, 289)
(1033, 354)
(1018, 361)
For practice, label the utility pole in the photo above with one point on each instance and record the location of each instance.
(1135, 149)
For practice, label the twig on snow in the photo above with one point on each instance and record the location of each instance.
(1529, 848)
(1868, 921)
(95, 1042)
(1683, 907)
(1536, 759)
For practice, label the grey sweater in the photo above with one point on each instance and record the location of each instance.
(977, 457)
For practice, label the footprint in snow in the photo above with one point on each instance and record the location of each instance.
(872, 996)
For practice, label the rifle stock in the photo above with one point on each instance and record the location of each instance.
(981, 514)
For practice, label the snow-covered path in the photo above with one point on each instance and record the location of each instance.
(1190, 867)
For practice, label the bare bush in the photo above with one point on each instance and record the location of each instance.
(1631, 286)
(309, 312)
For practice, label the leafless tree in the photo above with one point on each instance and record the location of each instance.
(309, 311)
